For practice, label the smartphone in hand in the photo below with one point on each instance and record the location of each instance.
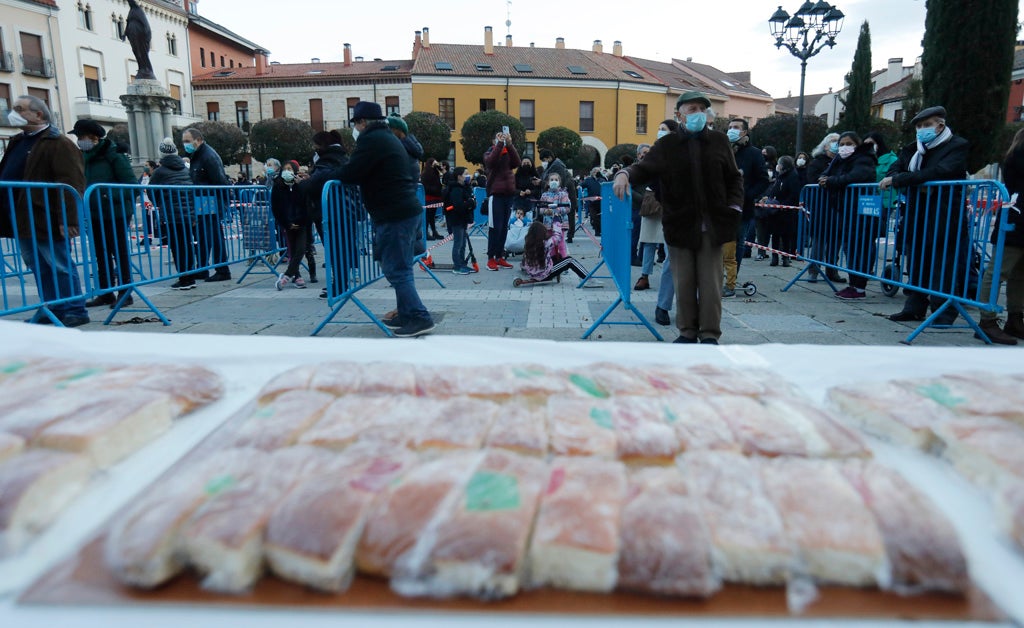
(504, 130)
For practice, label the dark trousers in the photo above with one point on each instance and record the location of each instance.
(211, 243)
(296, 239)
(566, 263)
(110, 242)
(182, 245)
(501, 210)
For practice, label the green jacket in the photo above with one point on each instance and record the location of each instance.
(103, 164)
(890, 196)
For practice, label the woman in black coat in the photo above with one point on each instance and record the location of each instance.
(291, 213)
(782, 223)
(858, 230)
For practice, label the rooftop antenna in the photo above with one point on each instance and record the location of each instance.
(508, 17)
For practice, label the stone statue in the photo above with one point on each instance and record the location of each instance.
(139, 35)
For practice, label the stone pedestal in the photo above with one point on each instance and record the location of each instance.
(149, 107)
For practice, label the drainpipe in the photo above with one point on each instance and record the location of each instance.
(56, 77)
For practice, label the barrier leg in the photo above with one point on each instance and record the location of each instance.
(142, 297)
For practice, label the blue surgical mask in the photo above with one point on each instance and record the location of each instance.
(833, 147)
(926, 135)
(734, 135)
(695, 122)
(662, 133)
(190, 148)
(288, 175)
(270, 172)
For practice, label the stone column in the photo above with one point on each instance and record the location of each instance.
(148, 105)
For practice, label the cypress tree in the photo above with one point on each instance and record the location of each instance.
(858, 97)
(967, 63)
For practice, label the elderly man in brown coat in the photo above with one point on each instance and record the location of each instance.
(702, 202)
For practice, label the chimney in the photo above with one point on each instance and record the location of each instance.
(508, 41)
(261, 62)
(617, 48)
(531, 45)
(598, 47)
(488, 41)
(560, 43)
(348, 53)
(417, 44)
(426, 37)
(895, 72)
(315, 60)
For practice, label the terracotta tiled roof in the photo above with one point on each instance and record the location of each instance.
(892, 93)
(311, 71)
(676, 79)
(549, 63)
(723, 80)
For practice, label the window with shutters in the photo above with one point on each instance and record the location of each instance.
(391, 106)
(213, 111)
(278, 106)
(586, 116)
(92, 83)
(176, 95)
(446, 111)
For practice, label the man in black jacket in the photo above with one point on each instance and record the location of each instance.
(380, 167)
(934, 227)
(751, 163)
(206, 168)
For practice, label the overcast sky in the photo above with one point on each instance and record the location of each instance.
(731, 35)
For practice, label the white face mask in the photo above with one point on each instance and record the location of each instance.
(316, 156)
(355, 133)
(662, 133)
(801, 162)
(86, 145)
(553, 185)
(288, 175)
(16, 119)
(846, 151)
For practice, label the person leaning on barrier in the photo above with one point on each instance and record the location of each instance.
(1012, 270)
(379, 166)
(206, 168)
(702, 203)
(824, 242)
(42, 154)
(855, 164)
(109, 210)
(782, 223)
(328, 158)
(177, 209)
(934, 223)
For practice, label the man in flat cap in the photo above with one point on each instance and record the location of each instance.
(702, 203)
(935, 229)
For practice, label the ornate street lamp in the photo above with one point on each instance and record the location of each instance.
(805, 34)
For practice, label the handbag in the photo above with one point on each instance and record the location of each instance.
(649, 206)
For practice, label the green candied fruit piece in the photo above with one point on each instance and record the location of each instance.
(941, 394)
(265, 412)
(589, 386)
(13, 367)
(488, 491)
(528, 373)
(602, 417)
(670, 416)
(219, 484)
(89, 372)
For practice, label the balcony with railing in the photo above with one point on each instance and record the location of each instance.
(99, 109)
(37, 66)
(6, 61)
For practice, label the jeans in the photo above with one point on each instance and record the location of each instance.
(395, 243)
(55, 274)
(648, 250)
(458, 245)
(746, 224)
(666, 288)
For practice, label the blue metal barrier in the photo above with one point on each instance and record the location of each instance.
(423, 253)
(617, 226)
(349, 253)
(935, 244)
(479, 218)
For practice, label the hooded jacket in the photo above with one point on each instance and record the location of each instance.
(700, 186)
(380, 167)
(175, 205)
(103, 164)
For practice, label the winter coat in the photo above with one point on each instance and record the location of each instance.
(785, 189)
(500, 162)
(1013, 176)
(700, 186)
(524, 181)
(175, 205)
(946, 162)
(431, 180)
(326, 169)
(818, 164)
(288, 205)
(459, 204)
(380, 167)
(415, 151)
(103, 164)
(558, 166)
(54, 159)
(755, 176)
(857, 168)
(206, 167)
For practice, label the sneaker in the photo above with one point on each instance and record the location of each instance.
(461, 271)
(709, 341)
(415, 327)
(728, 292)
(492, 264)
(323, 293)
(504, 263)
(74, 321)
(282, 281)
(849, 292)
(219, 277)
(684, 340)
(394, 322)
(299, 282)
(183, 284)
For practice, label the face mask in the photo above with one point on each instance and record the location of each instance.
(833, 147)
(662, 134)
(316, 156)
(734, 135)
(355, 133)
(288, 175)
(190, 148)
(16, 119)
(86, 145)
(801, 162)
(926, 135)
(846, 151)
(778, 169)
(695, 122)
(270, 172)
(552, 185)
(874, 149)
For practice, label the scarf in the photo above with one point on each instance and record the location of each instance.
(915, 161)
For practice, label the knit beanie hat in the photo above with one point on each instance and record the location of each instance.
(294, 164)
(396, 122)
(167, 147)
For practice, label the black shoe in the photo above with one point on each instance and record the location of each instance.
(323, 293)
(568, 240)
(103, 299)
(313, 279)
(129, 301)
(395, 322)
(415, 327)
(683, 340)
(786, 262)
(709, 341)
(775, 260)
(74, 321)
(661, 317)
(833, 276)
(218, 277)
(183, 284)
(906, 315)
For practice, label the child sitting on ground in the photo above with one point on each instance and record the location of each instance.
(545, 256)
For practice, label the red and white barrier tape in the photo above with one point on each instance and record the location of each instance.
(763, 247)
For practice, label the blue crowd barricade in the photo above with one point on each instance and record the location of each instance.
(349, 252)
(936, 243)
(42, 259)
(479, 217)
(618, 225)
(422, 258)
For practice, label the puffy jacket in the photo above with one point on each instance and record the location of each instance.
(857, 168)
(755, 176)
(500, 162)
(175, 205)
(206, 167)
(459, 197)
(288, 204)
(380, 167)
